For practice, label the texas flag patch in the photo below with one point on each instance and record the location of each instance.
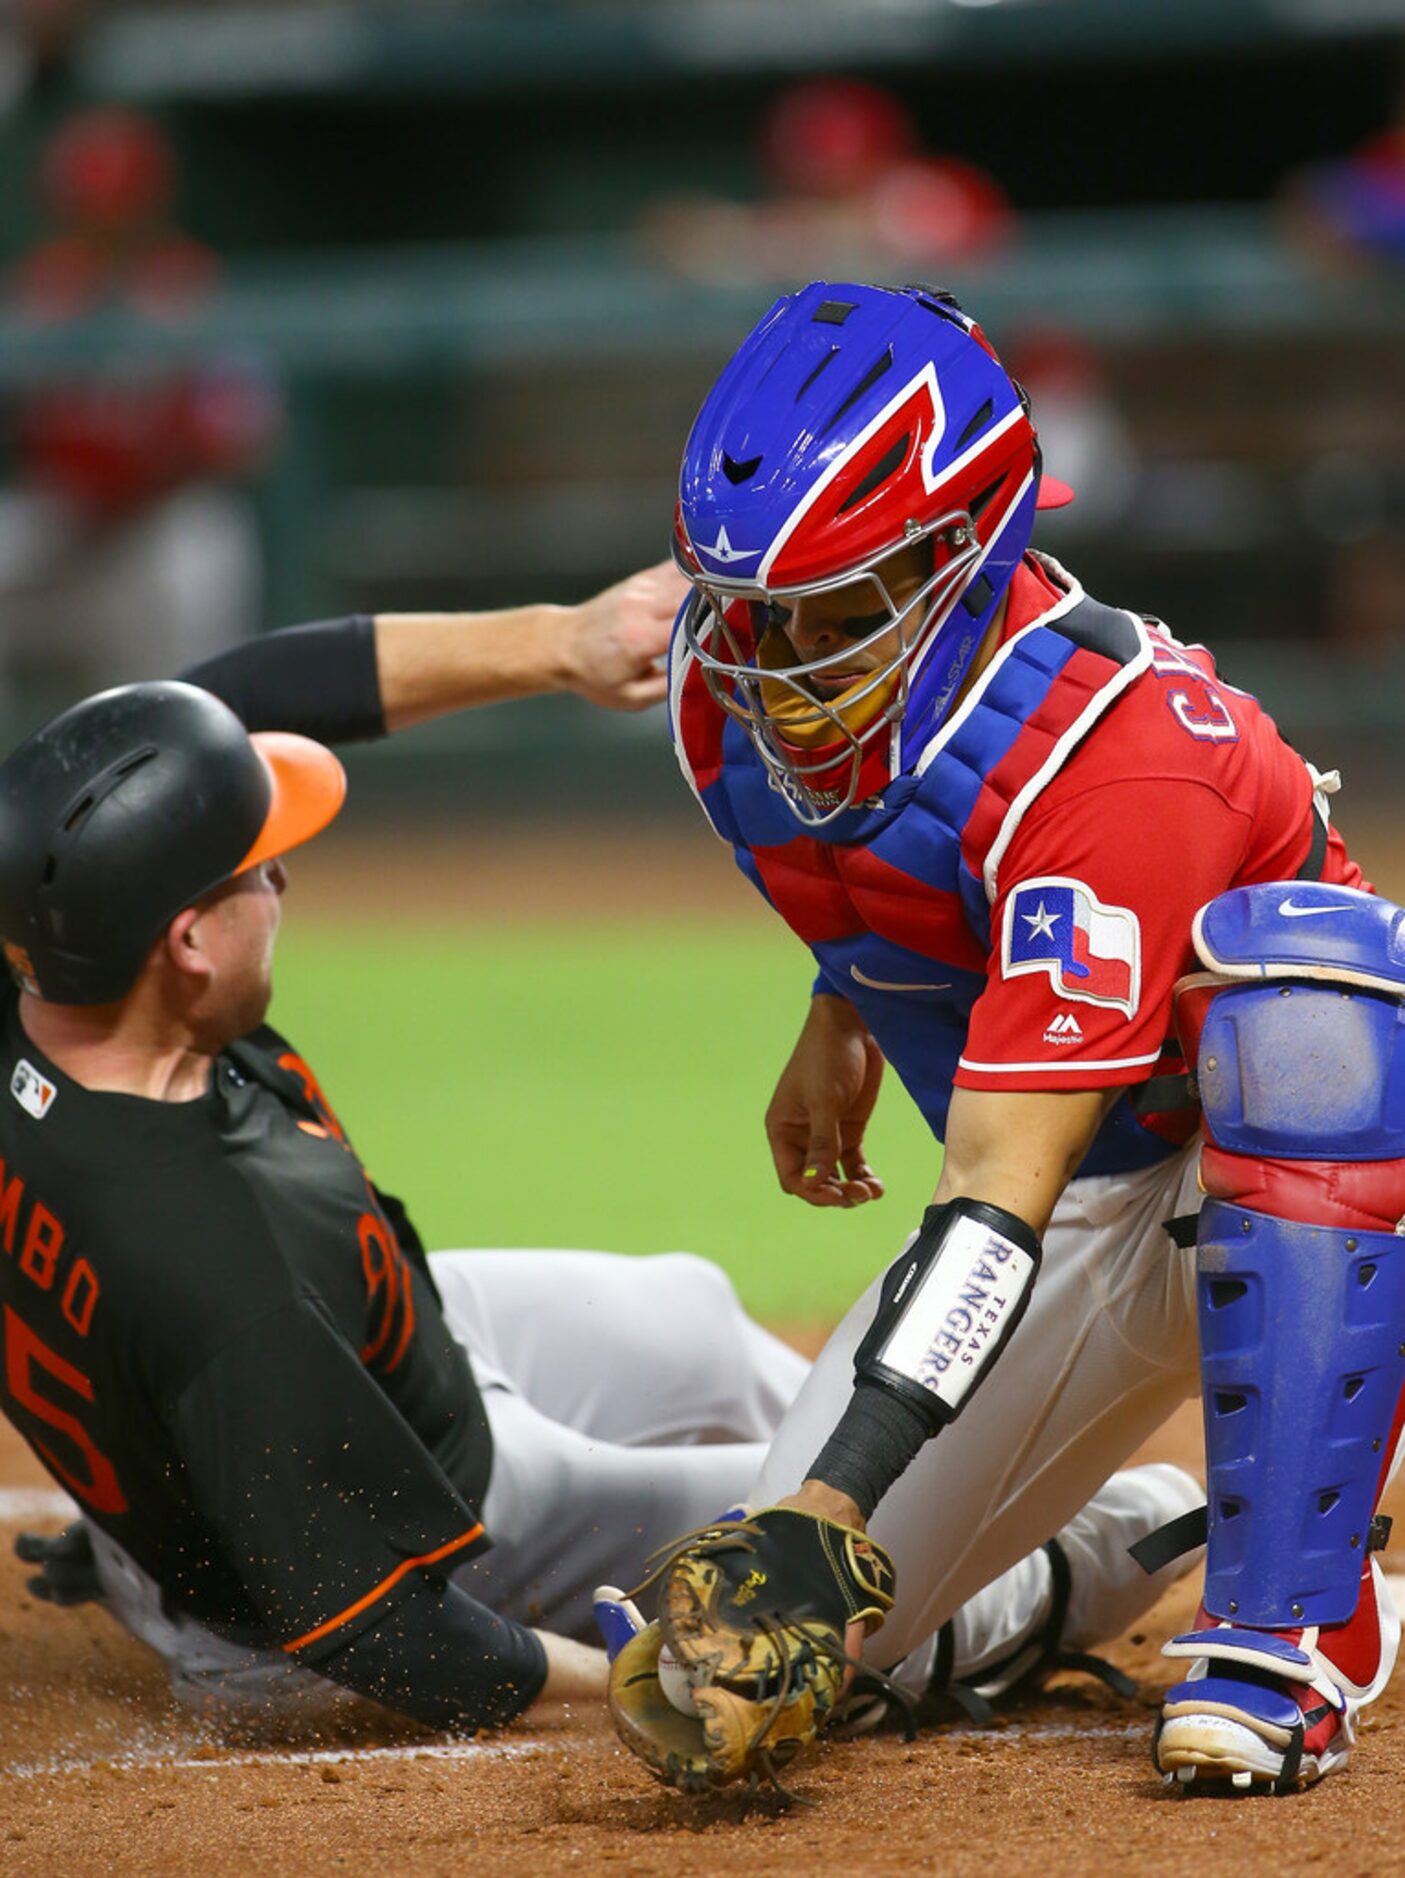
(1091, 952)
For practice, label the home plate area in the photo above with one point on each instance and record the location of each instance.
(101, 1772)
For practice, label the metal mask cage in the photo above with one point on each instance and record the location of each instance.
(821, 783)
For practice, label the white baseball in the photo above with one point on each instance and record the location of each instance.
(673, 1680)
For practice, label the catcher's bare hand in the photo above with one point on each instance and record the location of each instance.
(759, 1616)
(816, 1120)
(616, 641)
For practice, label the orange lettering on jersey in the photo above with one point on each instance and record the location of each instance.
(382, 1283)
(42, 1244)
(390, 1298)
(312, 1089)
(97, 1485)
(80, 1294)
(11, 1194)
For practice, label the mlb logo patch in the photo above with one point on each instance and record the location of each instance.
(32, 1091)
(1091, 952)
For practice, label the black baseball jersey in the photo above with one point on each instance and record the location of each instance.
(225, 1343)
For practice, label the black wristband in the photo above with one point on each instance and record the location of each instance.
(877, 1438)
(443, 1658)
(320, 680)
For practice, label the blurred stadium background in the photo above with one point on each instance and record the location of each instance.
(336, 306)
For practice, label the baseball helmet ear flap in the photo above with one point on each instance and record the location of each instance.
(129, 807)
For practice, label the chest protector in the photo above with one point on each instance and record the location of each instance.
(893, 898)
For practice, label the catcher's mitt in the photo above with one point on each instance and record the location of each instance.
(754, 1616)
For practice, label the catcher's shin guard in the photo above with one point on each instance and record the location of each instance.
(1301, 1285)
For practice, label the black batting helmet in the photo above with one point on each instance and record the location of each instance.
(126, 809)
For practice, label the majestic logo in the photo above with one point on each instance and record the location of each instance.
(1091, 952)
(722, 549)
(1064, 1029)
(33, 1092)
(1290, 909)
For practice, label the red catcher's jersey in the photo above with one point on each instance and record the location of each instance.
(1183, 790)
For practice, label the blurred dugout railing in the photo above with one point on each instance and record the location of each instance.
(478, 421)
(207, 48)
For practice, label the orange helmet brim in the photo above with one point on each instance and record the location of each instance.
(308, 788)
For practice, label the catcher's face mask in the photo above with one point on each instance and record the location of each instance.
(832, 659)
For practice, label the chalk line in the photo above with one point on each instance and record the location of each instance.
(154, 1760)
(20, 1503)
(158, 1761)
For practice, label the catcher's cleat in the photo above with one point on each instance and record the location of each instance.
(1255, 1712)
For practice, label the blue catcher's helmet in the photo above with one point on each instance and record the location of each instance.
(866, 461)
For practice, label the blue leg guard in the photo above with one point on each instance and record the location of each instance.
(1301, 1293)
(1303, 1362)
(1302, 1306)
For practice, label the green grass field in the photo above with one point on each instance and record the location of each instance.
(599, 1087)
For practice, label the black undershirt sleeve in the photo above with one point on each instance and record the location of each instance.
(444, 1659)
(319, 680)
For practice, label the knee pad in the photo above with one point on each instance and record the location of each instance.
(1301, 1269)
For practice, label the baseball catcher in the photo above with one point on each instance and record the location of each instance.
(1008, 820)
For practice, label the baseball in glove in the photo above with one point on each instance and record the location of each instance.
(751, 1631)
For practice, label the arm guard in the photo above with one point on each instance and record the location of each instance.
(946, 1310)
(948, 1307)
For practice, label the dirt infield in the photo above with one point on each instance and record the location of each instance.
(100, 1772)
